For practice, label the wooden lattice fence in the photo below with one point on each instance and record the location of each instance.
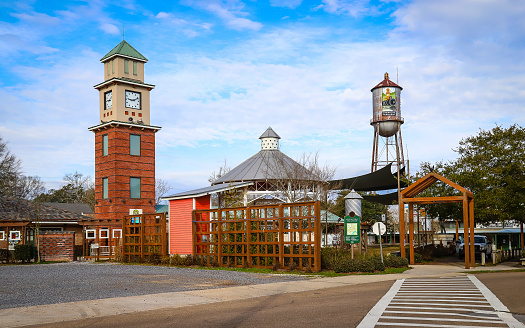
(144, 237)
(271, 236)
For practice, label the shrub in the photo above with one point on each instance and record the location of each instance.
(4, 254)
(392, 261)
(24, 253)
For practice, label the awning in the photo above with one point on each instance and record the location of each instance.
(386, 199)
(382, 179)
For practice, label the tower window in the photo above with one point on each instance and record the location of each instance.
(105, 188)
(104, 145)
(107, 65)
(134, 144)
(126, 66)
(134, 68)
(134, 187)
(113, 66)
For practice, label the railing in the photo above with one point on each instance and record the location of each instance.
(272, 236)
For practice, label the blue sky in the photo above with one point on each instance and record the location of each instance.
(226, 70)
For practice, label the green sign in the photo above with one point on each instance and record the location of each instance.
(352, 229)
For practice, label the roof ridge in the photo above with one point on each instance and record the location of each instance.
(124, 49)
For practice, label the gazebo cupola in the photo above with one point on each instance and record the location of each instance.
(269, 140)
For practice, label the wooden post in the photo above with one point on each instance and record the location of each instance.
(471, 244)
(219, 236)
(142, 219)
(411, 231)
(317, 241)
(281, 235)
(522, 239)
(457, 230)
(402, 227)
(466, 247)
(249, 236)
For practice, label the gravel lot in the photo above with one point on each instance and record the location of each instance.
(28, 285)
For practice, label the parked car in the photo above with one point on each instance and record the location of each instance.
(481, 245)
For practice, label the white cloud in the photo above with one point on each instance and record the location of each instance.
(162, 15)
(231, 20)
(292, 4)
(354, 8)
(110, 28)
(229, 12)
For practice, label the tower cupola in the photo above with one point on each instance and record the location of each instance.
(269, 140)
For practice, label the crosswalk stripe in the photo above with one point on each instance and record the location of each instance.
(450, 302)
(494, 315)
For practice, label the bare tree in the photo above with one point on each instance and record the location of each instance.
(161, 188)
(216, 175)
(302, 180)
(12, 182)
(78, 186)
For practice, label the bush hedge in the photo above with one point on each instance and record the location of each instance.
(341, 261)
(24, 253)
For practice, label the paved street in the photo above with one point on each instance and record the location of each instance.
(321, 302)
(29, 285)
(445, 302)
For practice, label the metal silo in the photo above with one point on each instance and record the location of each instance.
(353, 203)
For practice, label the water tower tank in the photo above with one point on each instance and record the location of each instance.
(386, 98)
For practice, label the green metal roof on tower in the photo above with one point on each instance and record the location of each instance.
(126, 50)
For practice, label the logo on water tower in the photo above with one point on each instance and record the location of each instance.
(388, 104)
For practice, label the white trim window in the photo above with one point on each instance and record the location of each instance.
(117, 233)
(91, 234)
(2, 235)
(103, 233)
(15, 235)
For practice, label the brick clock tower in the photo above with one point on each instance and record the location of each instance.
(124, 139)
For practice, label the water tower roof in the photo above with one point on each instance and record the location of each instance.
(386, 83)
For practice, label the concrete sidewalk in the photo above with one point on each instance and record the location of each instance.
(53, 313)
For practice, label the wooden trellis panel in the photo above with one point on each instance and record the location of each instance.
(270, 236)
(144, 236)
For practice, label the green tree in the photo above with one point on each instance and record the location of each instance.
(492, 166)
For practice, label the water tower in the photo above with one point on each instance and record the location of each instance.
(387, 120)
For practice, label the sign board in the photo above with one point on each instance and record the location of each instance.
(379, 228)
(135, 211)
(352, 229)
(94, 245)
(383, 217)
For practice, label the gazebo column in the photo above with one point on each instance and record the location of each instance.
(466, 247)
(402, 227)
(472, 250)
(411, 231)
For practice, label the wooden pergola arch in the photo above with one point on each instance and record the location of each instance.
(408, 196)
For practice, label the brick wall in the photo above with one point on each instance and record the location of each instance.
(57, 245)
(118, 166)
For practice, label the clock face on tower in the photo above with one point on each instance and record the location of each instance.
(108, 100)
(132, 99)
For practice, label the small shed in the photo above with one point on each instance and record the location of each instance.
(181, 206)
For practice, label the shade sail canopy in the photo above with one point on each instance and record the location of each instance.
(386, 199)
(382, 179)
